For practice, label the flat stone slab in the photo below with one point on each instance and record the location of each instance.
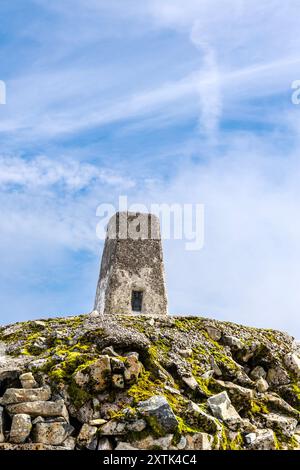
(8, 446)
(21, 395)
(40, 408)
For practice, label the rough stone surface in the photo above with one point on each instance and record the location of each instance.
(52, 433)
(97, 422)
(292, 361)
(81, 378)
(153, 443)
(191, 382)
(88, 437)
(232, 342)
(28, 381)
(113, 428)
(262, 385)
(39, 408)
(69, 443)
(119, 428)
(104, 444)
(282, 424)
(20, 428)
(100, 373)
(132, 261)
(200, 441)
(265, 440)
(117, 365)
(278, 376)
(133, 369)
(214, 333)
(159, 414)
(257, 373)
(15, 395)
(250, 438)
(118, 381)
(223, 409)
(125, 446)
(29, 446)
(152, 355)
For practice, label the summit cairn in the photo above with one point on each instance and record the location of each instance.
(132, 279)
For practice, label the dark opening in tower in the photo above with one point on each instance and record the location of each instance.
(137, 301)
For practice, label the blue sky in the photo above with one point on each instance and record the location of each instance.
(163, 101)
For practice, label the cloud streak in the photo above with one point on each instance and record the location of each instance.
(164, 101)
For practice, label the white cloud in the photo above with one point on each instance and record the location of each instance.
(237, 53)
(43, 172)
(225, 60)
(249, 267)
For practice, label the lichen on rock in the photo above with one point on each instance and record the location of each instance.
(138, 382)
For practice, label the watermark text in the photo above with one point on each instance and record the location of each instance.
(177, 221)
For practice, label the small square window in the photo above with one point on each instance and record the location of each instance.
(136, 301)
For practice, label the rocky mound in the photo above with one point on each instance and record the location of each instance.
(136, 382)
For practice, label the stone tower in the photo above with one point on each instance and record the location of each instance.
(132, 277)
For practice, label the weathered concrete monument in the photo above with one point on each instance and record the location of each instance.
(132, 278)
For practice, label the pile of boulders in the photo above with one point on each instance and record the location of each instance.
(33, 417)
(194, 384)
(110, 370)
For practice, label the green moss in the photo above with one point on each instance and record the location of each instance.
(224, 443)
(78, 395)
(223, 440)
(188, 324)
(162, 345)
(278, 445)
(293, 443)
(184, 428)
(237, 443)
(144, 388)
(257, 407)
(147, 386)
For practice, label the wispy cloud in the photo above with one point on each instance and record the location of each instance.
(43, 172)
(165, 100)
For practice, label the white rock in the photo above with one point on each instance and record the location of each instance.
(292, 361)
(191, 382)
(182, 443)
(97, 422)
(208, 374)
(262, 385)
(250, 438)
(265, 440)
(185, 352)
(223, 409)
(233, 342)
(214, 333)
(113, 428)
(94, 314)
